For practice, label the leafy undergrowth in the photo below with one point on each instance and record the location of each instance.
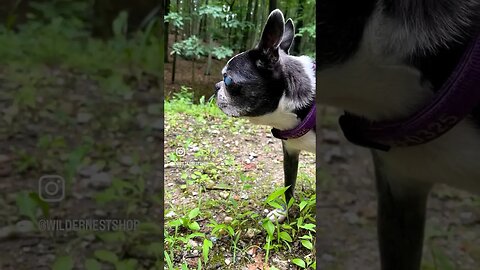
(221, 176)
(90, 112)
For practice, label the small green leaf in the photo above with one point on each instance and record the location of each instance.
(307, 244)
(128, 264)
(275, 205)
(26, 206)
(278, 192)
(290, 203)
(299, 262)
(230, 230)
(92, 264)
(113, 237)
(41, 203)
(63, 263)
(175, 223)
(194, 226)
(106, 256)
(194, 213)
(303, 204)
(199, 264)
(268, 226)
(168, 260)
(285, 236)
(207, 245)
(308, 226)
(196, 234)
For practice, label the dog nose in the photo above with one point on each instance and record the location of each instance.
(218, 86)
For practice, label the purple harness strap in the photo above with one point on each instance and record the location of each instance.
(452, 103)
(303, 128)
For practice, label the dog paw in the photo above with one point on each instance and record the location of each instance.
(277, 215)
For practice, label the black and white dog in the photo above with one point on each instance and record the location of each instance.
(270, 87)
(407, 74)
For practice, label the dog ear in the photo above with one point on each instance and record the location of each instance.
(288, 36)
(272, 34)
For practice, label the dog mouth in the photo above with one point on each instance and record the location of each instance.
(229, 112)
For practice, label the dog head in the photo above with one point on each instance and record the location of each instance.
(253, 81)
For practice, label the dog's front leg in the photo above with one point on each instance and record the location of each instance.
(290, 169)
(401, 219)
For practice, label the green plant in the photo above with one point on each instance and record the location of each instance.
(190, 48)
(186, 222)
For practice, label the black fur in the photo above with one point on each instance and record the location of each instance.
(339, 29)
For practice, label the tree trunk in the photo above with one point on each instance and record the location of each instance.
(204, 26)
(162, 39)
(230, 40)
(104, 12)
(186, 23)
(262, 15)
(174, 64)
(193, 70)
(165, 39)
(248, 18)
(272, 4)
(298, 39)
(210, 45)
(254, 22)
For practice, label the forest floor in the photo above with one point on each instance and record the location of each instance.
(81, 125)
(106, 150)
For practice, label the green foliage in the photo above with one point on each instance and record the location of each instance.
(92, 264)
(175, 19)
(307, 31)
(63, 42)
(282, 235)
(78, 10)
(120, 25)
(27, 206)
(211, 10)
(63, 263)
(222, 52)
(190, 48)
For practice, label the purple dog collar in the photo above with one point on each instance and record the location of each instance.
(452, 103)
(303, 128)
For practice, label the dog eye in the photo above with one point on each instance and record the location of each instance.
(227, 80)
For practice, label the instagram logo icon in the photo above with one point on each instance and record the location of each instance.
(51, 188)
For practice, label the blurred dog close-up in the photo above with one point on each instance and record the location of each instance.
(407, 75)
